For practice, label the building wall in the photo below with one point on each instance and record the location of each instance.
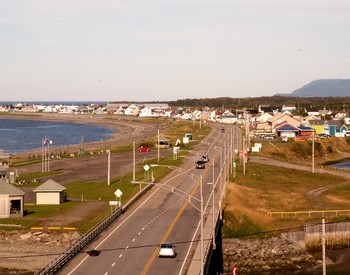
(4, 207)
(48, 198)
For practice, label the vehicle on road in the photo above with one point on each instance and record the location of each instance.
(205, 158)
(144, 149)
(167, 249)
(200, 164)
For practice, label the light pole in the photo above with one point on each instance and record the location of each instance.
(109, 167)
(201, 208)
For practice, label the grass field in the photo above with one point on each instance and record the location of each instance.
(101, 191)
(269, 188)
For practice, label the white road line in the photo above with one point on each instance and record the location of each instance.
(126, 247)
(143, 228)
(133, 240)
(106, 273)
(139, 234)
(113, 264)
(115, 229)
(121, 255)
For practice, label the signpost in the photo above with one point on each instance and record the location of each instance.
(118, 194)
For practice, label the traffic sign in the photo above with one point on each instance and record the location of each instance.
(118, 193)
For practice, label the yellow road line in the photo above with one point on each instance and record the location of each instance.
(154, 255)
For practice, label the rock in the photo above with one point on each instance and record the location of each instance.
(44, 238)
(25, 236)
(75, 236)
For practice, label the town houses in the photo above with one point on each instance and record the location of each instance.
(264, 121)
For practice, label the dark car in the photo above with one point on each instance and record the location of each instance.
(200, 164)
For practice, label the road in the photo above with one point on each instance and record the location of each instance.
(130, 245)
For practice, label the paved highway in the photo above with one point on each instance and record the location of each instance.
(130, 245)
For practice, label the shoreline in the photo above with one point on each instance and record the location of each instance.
(127, 129)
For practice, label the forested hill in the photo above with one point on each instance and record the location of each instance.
(330, 103)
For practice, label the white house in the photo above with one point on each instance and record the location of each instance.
(50, 192)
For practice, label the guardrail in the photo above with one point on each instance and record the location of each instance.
(284, 214)
(78, 245)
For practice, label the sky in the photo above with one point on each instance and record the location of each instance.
(165, 50)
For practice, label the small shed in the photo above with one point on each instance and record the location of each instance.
(163, 143)
(50, 192)
(11, 200)
(4, 159)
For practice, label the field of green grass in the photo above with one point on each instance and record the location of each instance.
(101, 191)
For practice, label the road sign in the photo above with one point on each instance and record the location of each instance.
(146, 167)
(118, 193)
(113, 202)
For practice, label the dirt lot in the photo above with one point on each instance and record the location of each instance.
(84, 168)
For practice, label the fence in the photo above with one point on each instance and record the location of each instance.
(323, 213)
(78, 245)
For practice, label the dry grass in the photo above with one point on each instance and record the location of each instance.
(268, 188)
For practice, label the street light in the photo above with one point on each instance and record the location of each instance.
(109, 167)
(201, 209)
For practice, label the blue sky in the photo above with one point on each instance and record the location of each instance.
(145, 50)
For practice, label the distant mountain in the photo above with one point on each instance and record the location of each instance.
(323, 88)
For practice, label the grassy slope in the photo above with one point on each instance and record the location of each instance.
(268, 188)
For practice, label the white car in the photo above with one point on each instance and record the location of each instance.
(167, 250)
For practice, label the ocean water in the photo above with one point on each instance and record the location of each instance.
(25, 135)
(342, 165)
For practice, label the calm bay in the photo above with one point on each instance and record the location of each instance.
(18, 135)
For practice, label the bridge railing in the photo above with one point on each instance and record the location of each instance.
(79, 244)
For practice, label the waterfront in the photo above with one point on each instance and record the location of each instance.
(19, 135)
(344, 164)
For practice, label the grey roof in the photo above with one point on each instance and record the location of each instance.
(8, 189)
(50, 185)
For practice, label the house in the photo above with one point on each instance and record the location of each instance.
(163, 142)
(288, 108)
(312, 111)
(145, 112)
(279, 118)
(50, 192)
(335, 128)
(11, 200)
(288, 131)
(132, 110)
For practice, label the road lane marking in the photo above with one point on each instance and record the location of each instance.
(185, 204)
(113, 264)
(120, 255)
(116, 228)
(126, 247)
(133, 240)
